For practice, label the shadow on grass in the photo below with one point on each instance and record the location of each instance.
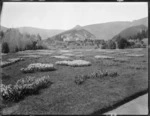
(5, 76)
(119, 103)
(34, 71)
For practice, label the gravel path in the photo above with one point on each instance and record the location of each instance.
(136, 107)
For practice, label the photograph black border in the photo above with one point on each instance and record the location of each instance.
(123, 1)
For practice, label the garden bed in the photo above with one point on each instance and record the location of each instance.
(10, 61)
(61, 57)
(38, 67)
(74, 63)
(67, 97)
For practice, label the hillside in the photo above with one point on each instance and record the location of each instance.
(108, 30)
(143, 21)
(131, 31)
(44, 33)
(77, 33)
(2, 28)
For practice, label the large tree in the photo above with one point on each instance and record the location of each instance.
(5, 47)
(122, 42)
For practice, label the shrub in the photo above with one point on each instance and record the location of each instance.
(99, 74)
(111, 44)
(122, 43)
(112, 74)
(104, 46)
(139, 45)
(80, 79)
(5, 47)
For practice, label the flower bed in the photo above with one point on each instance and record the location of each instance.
(10, 61)
(135, 55)
(65, 51)
(14, 60)
(82, 78)
(61, 57)
(68, 54)
(103, 57)
(5, 63)
(38, 67)
(74, 63)
(23, 87)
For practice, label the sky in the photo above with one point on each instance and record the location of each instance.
(62, 15)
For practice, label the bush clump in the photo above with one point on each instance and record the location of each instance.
(80, 79)
(111, 44)
(23, 87)
(123, 43)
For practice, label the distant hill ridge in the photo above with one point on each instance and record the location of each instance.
(108, 30)
(131, 32)
(105, 31)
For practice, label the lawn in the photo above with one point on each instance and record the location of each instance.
(64, 96)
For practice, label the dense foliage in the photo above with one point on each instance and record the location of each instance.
(13, 41)
(122, 43)
(5, 48)
(140, 35)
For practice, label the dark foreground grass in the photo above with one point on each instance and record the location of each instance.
(93, 96)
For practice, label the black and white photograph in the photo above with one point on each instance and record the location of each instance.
(74, 58)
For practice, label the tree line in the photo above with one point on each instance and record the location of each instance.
(13, 41)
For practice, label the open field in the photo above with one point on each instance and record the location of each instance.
(64, 96)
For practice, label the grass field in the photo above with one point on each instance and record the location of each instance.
(64, 96)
